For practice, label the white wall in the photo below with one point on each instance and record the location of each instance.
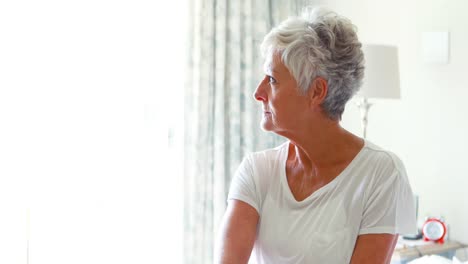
(428, 126)
(84, 109)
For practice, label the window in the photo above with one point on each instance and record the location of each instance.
(88, 90)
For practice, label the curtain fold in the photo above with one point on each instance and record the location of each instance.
(222, 120)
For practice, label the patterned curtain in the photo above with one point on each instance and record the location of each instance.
(221, 117)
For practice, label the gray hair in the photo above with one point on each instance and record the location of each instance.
(320, 43)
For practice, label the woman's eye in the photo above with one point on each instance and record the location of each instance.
(271, 79)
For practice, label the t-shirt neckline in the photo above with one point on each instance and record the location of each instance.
(284, 180)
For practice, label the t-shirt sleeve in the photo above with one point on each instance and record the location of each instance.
(243, 186)
(389, 207)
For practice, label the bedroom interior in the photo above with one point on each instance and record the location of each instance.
(80, 120)
(425, 125)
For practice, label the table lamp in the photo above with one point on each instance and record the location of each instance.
(381, 78)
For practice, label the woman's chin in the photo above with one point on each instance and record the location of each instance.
(266, 125)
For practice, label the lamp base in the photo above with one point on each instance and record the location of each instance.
(364, 106)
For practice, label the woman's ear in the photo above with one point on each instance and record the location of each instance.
(318, 91)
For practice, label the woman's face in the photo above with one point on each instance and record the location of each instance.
(284, 107)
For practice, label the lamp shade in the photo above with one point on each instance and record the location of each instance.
(381, 75)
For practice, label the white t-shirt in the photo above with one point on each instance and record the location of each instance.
(372, 195)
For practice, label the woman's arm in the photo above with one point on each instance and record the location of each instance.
(374, 248)
(237, 233)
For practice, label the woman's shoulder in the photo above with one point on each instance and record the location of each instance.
(381, 154)
(382, 161)
(267, 163)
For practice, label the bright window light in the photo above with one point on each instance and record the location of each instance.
(88, 92)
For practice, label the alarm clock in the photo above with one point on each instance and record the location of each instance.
(434, 229)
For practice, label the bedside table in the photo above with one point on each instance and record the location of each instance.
(408, 250)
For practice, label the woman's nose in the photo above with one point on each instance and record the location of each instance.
(259, 93)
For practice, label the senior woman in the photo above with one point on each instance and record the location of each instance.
(325, 195)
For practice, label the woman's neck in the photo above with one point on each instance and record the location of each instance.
(327, 147)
